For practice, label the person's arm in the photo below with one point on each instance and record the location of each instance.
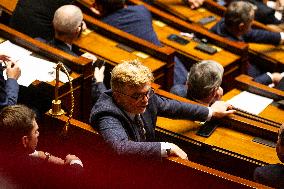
(115, 135)
(9, 89)
(180, 110)
(263, 36)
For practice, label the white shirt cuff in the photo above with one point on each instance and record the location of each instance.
(210, 113)
(282, 37)
(269, 74)
(34, 154)
(164, 147)
(76, 161)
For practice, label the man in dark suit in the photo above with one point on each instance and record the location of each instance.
(9, 88)
(236, 26)
(126, 115)
(136, 20)
(68, 25)
(34, 17)
(203, 83)
(272, 175)
(18, 140)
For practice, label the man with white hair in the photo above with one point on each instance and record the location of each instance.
(203, 83)
(68, 25)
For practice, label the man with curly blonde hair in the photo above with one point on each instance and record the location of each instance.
(126, 115)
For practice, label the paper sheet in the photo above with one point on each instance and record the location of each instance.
(32, 68)
(250, 102)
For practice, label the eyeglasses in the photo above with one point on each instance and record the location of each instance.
(140, 96)
(81, 29)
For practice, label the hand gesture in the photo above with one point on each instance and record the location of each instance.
(99, 74)
(13, 70)
(69, 158)
(221, 109)
(176, 151)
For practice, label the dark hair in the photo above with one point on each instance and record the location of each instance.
(239, 12)
(15, 122)
(203, 78)
(110, 6)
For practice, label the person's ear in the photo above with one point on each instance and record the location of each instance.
(242, 26)
(25, 141)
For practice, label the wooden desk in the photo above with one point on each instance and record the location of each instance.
(225, 148)
(232, 58)
(209, 8)
(179, 9)
(269, 55)
(102, 46)
(78, 64)
(245, 82)
(8, 5)
(171, 172)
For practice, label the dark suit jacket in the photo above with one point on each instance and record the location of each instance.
(34, 17)
(280, 85)
(122, 135)
(270, 175)
(253, 36)
(60, 45)
(136, 20)
(8, 90)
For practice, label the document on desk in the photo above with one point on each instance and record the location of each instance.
(250, 102)
(32, 68)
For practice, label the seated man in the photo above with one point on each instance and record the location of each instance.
(9, 89)
(19, 137)
(236, 26)
(126, 115)
(136, 20)
(68, 25)
(34, 17)
(272, 175)
(203, 83)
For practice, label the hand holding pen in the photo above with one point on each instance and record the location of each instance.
(12, 69)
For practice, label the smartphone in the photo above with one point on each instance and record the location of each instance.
(206, 48)
(178, 39)
(207, 129)
(207, 20)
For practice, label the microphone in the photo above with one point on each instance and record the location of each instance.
(56, 109)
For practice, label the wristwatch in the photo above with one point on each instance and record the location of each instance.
(168, 152)
(47, 156)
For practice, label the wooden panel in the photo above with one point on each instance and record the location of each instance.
(170, 173)
(8, 5)
(231, 142)
(246, 82)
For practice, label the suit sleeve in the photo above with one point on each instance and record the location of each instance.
(263, 79)
(262, 36)
(8, 91)
(114, 134)
(180, 110)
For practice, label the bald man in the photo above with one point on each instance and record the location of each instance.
(68, 25)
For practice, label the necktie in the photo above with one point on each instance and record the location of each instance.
(138, 122)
